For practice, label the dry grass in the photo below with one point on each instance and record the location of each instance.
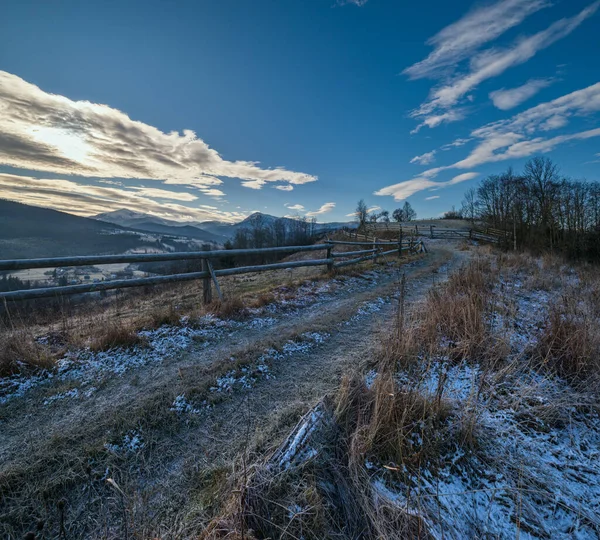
(230, 308)
(19, 351)
(570, 343)
(115, 334)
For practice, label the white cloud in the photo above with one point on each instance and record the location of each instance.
(296, 207)
(432, 198)
(87, 200)
(455, 144)
(285, 187)
(404, 190)
(353, 2)
(424, 159)
(459, 40)
(47, 132)
(434, 120)
(327, 207)
(493, 62)
(513, 138)
(508, 99)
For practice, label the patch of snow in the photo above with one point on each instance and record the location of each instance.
(131, 443)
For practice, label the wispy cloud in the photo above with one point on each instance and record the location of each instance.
(86, 200)
(404, 190)
(296, 207)
(47, 132)
(523, 135)
(285, 187)
(327, 207)
(508, 99)
(432, 198)
(353, 2)
(491, 63)
(424, 159)
(456, 144)
(459, 40)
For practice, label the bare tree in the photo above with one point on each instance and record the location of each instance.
(398, 215)
(469, 205)
(408, 213)
(362, 213)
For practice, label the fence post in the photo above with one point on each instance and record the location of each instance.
(400, 240)
(417, 230)
(431, 230)
(375, 248)
(206, 284)
(330, 263)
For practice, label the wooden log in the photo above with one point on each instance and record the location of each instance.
(214, 278)
(55, 262)
(337, 255)
(55, 292)
(369, 243)
(206, 288)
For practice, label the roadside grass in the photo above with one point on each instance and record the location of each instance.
(73, 465)
(116, 321)
(398, 426)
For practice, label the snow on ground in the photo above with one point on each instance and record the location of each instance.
(131, 443)
(535, 472)
(245, 377)
(84, 367)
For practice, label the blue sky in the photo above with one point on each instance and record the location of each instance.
(214, 109)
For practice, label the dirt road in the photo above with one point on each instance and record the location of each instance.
(168, 428)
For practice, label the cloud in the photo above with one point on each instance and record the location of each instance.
(459, 40)
(512, 138)
(353, 2)
(432, 198)
(88, 200)
(516, 137)
(52, 133)
(285, 187)
(491, 63)
(404, 190)
(455, 144)
(424, 159)
(297, 207)
(508, 99)
(327, 207)
(434, 120)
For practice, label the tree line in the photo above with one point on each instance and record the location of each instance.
(543, 208)
(363, 216)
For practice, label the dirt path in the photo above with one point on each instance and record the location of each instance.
(161, 459)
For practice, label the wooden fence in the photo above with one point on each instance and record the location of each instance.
(208, 275)
(490, 235)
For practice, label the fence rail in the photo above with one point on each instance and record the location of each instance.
(488, 234)
(207, 275)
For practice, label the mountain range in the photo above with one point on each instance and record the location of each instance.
(30, 231)
(210, 231)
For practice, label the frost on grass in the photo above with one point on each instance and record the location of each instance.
(534, 471)
(131, 443)
(85, 366)
(245, 377)
(181, 406)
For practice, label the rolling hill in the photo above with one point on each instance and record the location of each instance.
(30, 232)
